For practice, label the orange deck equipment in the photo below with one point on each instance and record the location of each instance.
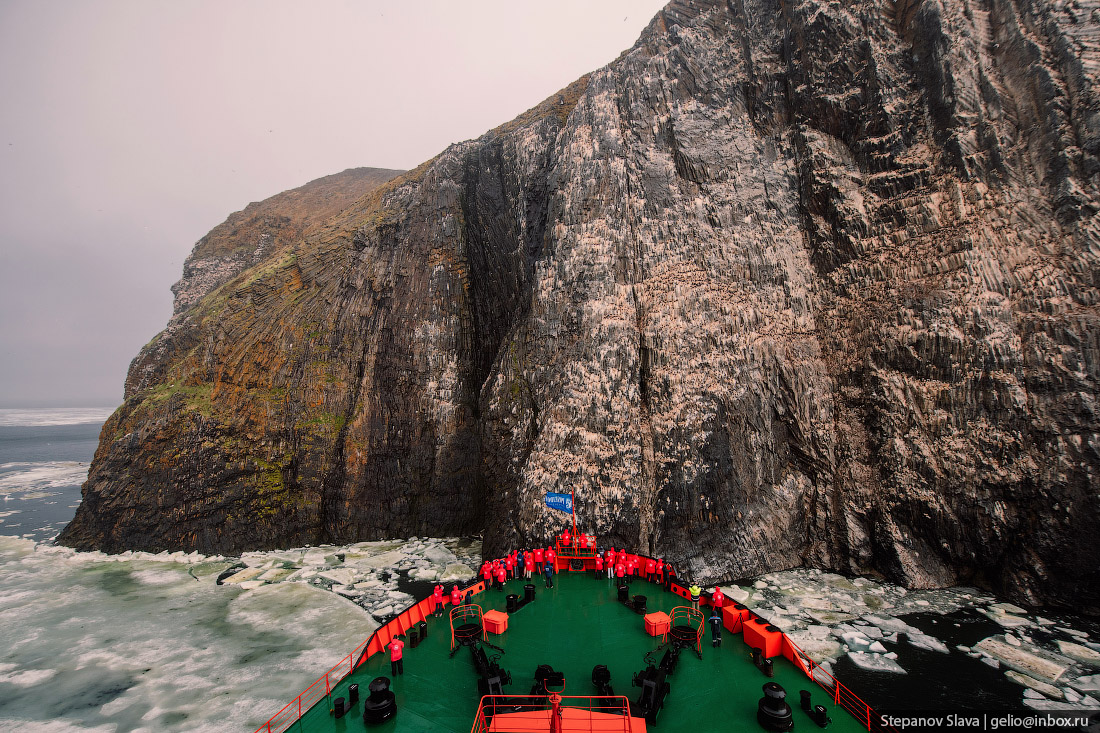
(734, 617)
(759, 634)
(496, 622)
(657, 624)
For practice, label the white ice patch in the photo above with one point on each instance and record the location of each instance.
(875, 663)
(17, 418)
(41, 478)
(135, 643)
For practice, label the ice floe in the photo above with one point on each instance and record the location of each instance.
(144, 642)
(875, 662)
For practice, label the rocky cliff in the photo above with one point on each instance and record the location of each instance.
(786, 283)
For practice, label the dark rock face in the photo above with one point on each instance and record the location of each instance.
(786, 283)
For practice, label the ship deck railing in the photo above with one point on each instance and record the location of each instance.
(555, 713)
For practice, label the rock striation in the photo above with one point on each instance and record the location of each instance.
(798, 283)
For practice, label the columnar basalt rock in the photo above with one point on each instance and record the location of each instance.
(786, 284)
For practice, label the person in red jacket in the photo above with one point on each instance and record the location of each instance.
(437, 599)
(609, 560)
(661, 571)
(528, 563)
(510, 565)
(539, 558)
(487, 574)
(566, 538)
(550, 554)
(717, 597)
(650, 569)
(502, 575)
(456, 596)
(396, 665)
(620, 571)
(598, 569)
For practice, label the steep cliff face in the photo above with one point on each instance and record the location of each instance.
(786, 283)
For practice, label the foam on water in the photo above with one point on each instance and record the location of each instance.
(137, 643)
(45, 417)
(37, 479)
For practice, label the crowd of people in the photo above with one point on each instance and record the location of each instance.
(619, 565)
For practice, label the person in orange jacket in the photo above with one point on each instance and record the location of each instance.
(437, 598)
(396, 665)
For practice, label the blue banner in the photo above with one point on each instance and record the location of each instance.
(561, 502)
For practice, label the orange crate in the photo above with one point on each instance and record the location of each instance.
(656, 624)
(496, 622)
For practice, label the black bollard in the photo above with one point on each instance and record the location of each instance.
(353, 694)
(820, 716)
(528, 593)
(338, 707)
(805, 695)
(513, 603)
(773, 712)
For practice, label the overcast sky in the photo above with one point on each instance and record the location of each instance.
(128, 129)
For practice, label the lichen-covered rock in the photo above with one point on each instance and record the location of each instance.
(786, 283)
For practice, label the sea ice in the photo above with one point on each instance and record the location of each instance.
(924, 641)
(875, 662)
(1029, 660)
(1031, 683)
(1082, 654)
(1090, 683)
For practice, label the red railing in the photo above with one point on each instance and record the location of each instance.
(840, 694)
(377, 642)
(574, 714)
(316, 692)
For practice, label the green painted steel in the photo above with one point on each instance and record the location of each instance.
(573, 627)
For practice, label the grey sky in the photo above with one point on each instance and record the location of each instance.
(130, 129)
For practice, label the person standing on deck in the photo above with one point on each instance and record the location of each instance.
(396, 665)
(456, 596)
(695, 590)
(717, 598)
(670, 574)
(548, 572)
(538, 558)
(487, 574)
(528, 563)
(598, 568)
(502, 575)
(715, 626)
(437, 598)
(650, 569)
(551, 555)
(609, 560)
(521, 564)
(661, 571)
(510, 565)
(620, 571)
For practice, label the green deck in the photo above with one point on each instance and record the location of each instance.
(574, 627)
